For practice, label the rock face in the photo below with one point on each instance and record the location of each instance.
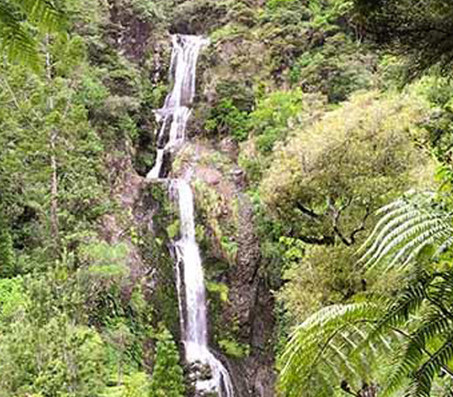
(225, 212)
(252, 307)
(244, 275)
(129, 32)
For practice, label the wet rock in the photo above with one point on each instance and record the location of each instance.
(209, 175)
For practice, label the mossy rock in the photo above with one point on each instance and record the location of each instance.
(199, 17)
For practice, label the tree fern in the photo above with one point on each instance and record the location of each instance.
(423, 378)
(417, 325)
(407, 303)
(414, 351)
(19, 20)
(320, 346)
(407, 226)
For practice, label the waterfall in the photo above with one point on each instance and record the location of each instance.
(173, 118)
(175, 112)
(196, 330)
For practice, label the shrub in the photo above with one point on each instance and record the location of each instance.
(167, 379)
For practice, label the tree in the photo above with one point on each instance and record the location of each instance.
(64, 151)
(167, 379)
(55, 359)
(6, 250)
(421, 31)
(330, 175)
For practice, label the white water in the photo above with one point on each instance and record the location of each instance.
(196, 330)
(175, 112)
(193, 313)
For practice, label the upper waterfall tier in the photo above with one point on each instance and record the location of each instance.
(176, 110)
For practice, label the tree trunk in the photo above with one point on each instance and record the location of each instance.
(54, 189)
(54, 228)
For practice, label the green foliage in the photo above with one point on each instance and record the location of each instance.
(76, 321)
(154, 251)
(328, 274)
(77, 314)
(411, 31)
(12, 299)
(104, 259)
(350, 341)
(337, 68)
(311, 173)
(7, 260)
(79, 173)
(420, 314)
(136, 385)
(272, 122)
(38, 358)
(219, 288)
(167, 378)
(212, 206)
(328, 13)
(19, 21)
(202, 15)
(316, 358)
(173, 229)
(226, 118)
(407, 227)
(271, 119)
(148, 10)
(233, 348)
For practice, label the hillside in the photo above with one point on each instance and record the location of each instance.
(225, 198)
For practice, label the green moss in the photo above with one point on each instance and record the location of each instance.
(173, 229)
(155, 252)
(219, 288)
(210, 205)
(234, 349)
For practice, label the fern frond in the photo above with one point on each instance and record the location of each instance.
(392, 211)
(441, 290)
(324, 341)
(15, 40)
(407, 226)
(413, 351)
(404, 364)
(423, 378)
(42, 13)
(407, 303)
(19, 20)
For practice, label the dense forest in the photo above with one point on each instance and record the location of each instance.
(226, 198)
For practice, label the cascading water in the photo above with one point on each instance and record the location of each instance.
(196, 330)
(174, 115)
(175, 112)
